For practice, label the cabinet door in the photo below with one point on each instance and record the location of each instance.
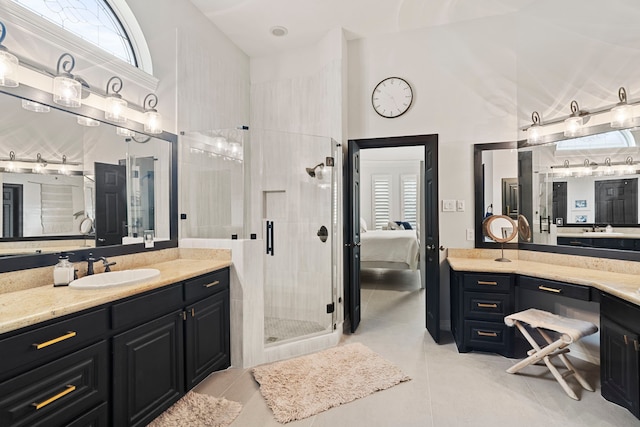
(147, 370)
(207, 337)
(619, 365)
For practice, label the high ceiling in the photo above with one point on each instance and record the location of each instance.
(248, 23)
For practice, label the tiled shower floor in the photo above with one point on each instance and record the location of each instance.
(276, 329)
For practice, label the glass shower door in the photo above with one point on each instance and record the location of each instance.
(297, 228)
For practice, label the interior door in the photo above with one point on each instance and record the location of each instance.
(111, 205)
(352, 236)
(559, 203)
(432, 237)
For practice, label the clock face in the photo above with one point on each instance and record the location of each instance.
(392, 97)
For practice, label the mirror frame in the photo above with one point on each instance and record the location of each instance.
(23, 262)
(478, 149)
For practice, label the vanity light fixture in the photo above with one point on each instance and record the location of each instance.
(11, 166)
(573, 124)
(622, 113)
(608, 168)
(67, 91)
(40, 164)
(64, 170)
(8, 62)
(115, 105)
(153, 120)
(127, 133)
(36, 107)
(629, 167)
(535, 131)
(87, 121)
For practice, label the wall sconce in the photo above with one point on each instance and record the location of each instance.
(622, 113)
(86, 121)
(116, 106)
(153, 120)
(535, 131)
(35, 106)
(8, 63)
(573, 124)
(67, 90)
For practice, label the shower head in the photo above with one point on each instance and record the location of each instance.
(312, 171)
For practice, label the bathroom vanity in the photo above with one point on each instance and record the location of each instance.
(484, 291)
(121, 356)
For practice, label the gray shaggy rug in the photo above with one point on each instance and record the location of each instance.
(199, 410)
(301, 387)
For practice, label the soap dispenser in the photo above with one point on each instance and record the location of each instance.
(63, 271)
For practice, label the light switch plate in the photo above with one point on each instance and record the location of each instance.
(448, 206)
(470, 235)
(460, 205)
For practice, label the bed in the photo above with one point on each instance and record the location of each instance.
(396, 249)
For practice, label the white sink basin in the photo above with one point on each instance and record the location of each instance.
(115, 278)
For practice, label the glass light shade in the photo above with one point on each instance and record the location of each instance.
(124, 132)
(86, 121)
(534, 134)
(35, 106)
(622, 116)
(572, 126)
(220, 145)
(234, 150)
(67, 91)
(116, 108)
(8, 69)
(152, 122)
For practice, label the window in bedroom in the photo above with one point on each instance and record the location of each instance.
(409, 199)
(381, 197)
(92, 20)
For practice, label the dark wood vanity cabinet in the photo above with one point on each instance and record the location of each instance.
(620, 352)
(479, 302)
(120, 364)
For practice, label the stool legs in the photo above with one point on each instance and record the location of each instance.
(553, 348)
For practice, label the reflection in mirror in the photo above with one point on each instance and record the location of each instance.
(72, 184)
(584, 191)
(500, 229)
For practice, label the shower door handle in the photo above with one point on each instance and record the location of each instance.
(269, 238)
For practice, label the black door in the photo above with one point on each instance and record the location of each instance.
(111, 204)
(525, 185)
(510, 197)
(432, 238)
(559, 203)
(12, 210)
(352, 225)
(617, 201)
(352, 236)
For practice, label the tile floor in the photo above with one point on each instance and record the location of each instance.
(447, 388)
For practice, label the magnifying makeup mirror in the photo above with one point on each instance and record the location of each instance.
(500, 229)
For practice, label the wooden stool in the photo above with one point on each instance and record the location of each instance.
(570, 330)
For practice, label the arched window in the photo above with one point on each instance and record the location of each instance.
(107, 24)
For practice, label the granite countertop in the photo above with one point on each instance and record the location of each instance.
(30, 306)
(624, 286)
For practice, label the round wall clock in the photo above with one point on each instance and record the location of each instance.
(392, 97)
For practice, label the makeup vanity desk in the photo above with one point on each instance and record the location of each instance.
(483, 291)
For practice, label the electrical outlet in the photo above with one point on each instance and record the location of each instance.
(460, 205)
(470, 234)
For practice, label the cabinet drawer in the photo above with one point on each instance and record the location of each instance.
(56, 393)
(206, 285)
(488, 282)
(489, 306)
(47, 342)
(146, 307)
(492, 336)
(555, 288)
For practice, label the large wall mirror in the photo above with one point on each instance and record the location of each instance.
(73, 182)
(577, 196)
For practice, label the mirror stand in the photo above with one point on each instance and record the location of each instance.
(502, 258)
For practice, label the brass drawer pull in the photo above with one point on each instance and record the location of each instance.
(483, 282)
(68, 335)
(544, 288)
(483, 305)
(69, 389)
(635, 344)
(626, 340)
(208, 285)
(487, 334)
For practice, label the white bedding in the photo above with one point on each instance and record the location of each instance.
(390, 246)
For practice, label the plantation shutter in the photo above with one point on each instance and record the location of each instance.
(409, 199)
(381, 189)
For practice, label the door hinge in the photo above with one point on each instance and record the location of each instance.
(331, 308)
